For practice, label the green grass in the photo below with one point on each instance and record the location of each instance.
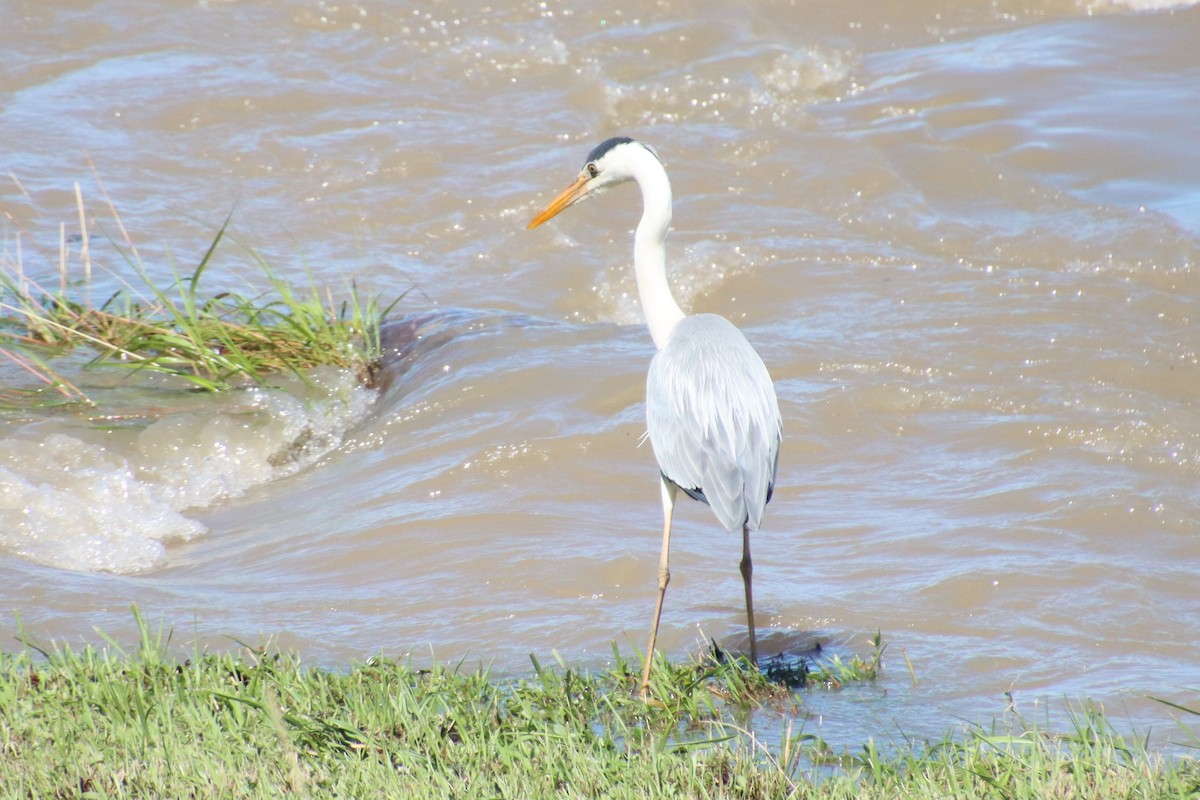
(209, 342)
(109, 723)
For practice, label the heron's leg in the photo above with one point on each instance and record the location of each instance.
(747, 574)
(664, 576)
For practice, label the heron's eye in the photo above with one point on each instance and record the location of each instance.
(593, 170)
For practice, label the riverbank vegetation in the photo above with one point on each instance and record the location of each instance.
(110, 723)
(52, 313)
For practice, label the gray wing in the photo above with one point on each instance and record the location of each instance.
(713, 418)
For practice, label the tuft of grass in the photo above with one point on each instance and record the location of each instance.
(1191, 734)
(834, 673)
(138, 723)
(211, 343)
(694, 695)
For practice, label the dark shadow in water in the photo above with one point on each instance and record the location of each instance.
(407, 341)
(785, 657)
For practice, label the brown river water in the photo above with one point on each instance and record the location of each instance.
(963, 236)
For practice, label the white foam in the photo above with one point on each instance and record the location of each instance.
(109, 499)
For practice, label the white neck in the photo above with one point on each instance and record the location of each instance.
(649, 249)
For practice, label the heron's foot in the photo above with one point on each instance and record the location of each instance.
(789, 670)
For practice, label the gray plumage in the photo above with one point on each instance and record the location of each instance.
(713, 419)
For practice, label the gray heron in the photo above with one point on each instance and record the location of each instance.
(711, 412)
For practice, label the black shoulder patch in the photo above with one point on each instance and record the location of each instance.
(696, 494)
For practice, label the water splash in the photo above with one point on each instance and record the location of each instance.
(770, 86)
(94, 498)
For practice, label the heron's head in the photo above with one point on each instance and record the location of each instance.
(612, 162)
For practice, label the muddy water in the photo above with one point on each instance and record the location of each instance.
(963, 237)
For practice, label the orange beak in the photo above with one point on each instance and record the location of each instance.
(565, 198)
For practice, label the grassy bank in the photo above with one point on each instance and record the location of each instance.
(105, 723)
(51, 314)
